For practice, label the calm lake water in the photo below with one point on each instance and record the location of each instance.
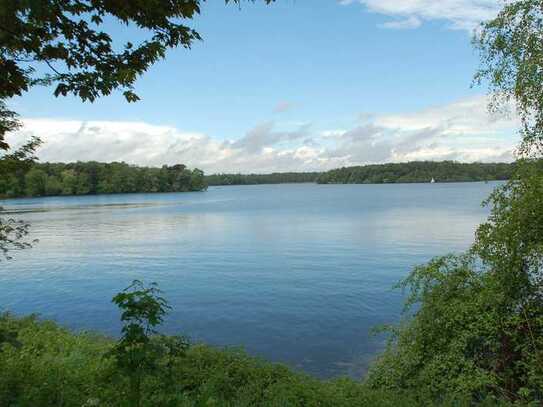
(293, 273)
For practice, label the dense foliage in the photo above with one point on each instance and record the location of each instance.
(47, 366)
(256, 179)
(417, 171)
(84, 178)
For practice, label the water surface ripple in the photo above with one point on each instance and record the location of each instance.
(293, 273)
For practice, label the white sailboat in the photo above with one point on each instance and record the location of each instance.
(433, 181)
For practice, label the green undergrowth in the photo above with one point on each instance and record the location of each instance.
(43, 364)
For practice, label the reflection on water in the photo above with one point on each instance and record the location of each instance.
(17, 210)
(294, 273)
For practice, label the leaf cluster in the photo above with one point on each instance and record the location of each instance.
(511, 49)
(82, 58)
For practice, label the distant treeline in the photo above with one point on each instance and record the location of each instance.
(417, 171)
(87, 178)
(84, 178)
(255, 179)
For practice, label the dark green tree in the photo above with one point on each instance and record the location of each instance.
(53, 185)
(83, 184)
(69, 182)
(36, 182)
(140, 349)
(197, 180)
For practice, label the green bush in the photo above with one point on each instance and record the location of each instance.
(45, 365)
(474, 323)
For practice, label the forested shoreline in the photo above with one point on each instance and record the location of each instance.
(418, 171)
(93, 178)
(258, 179)
(410, 172)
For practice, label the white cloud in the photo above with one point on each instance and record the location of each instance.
(264, 136)
(463, 131)
(461, 14)
(404, 24)
(466, 116)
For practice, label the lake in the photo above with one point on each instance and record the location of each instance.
(294, 273)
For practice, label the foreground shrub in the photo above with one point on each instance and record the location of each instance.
(45, 365)
(474, 323)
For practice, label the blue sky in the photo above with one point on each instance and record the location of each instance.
(297, 85)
